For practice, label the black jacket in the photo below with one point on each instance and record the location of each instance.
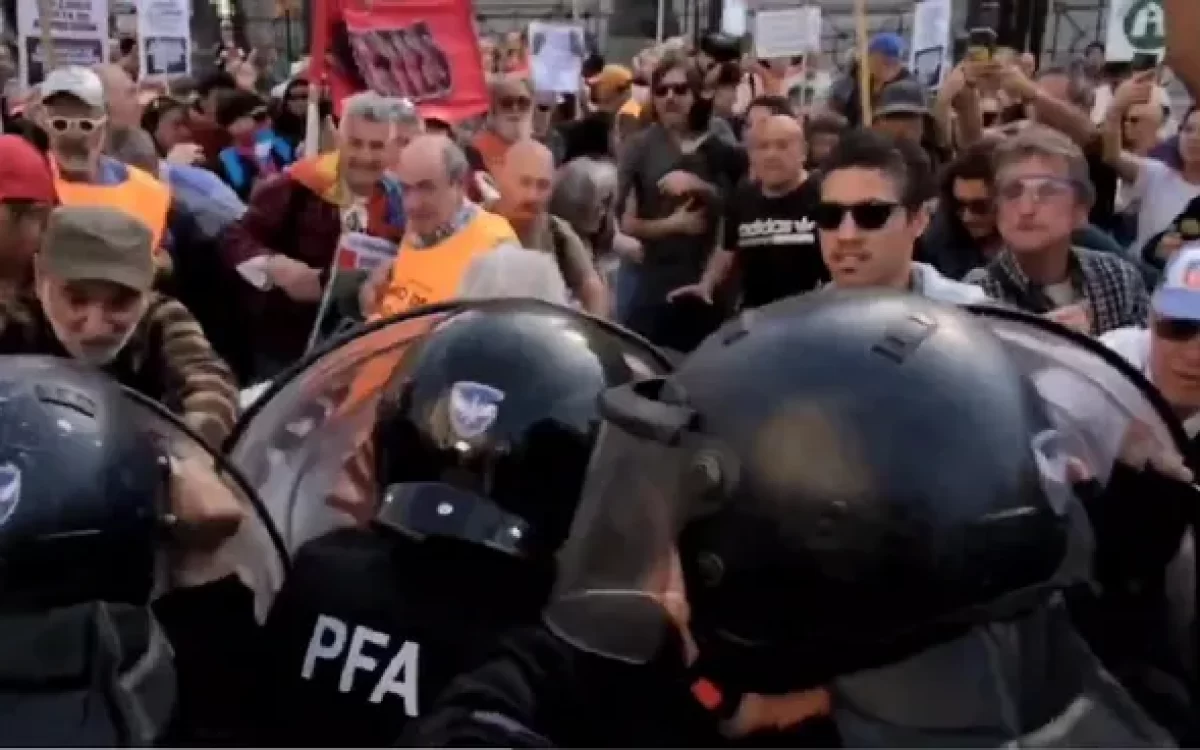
(420, 613)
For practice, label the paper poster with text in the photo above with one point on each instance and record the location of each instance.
(422, 50)
(164, 38)
(557, 56)
(930, 48)
(79, 29)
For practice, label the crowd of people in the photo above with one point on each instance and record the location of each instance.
(606, 419)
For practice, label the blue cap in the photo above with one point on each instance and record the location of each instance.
(888, 44)
(1178, 297)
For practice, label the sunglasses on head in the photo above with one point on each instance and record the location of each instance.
(868, 215)
(1176, 330)
(514, 103)
(82, 124)
(678, 89)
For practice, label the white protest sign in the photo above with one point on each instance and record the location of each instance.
(733, 18)
(79, 29)
(164, 38)
(1135, 26)
(930, 55)
(556, 59)
(787, 33)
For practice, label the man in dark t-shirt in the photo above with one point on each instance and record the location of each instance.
(769, 232)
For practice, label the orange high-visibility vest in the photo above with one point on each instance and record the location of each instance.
(427, 275)
(141, 195)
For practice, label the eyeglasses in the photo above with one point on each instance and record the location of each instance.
(1041, 188)
(260, 115)
(678, 89)
(1176, 330)
(83, 125)
(514, 103)
(868, 215)
(977, 206)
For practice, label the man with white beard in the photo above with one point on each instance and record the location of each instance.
(510, 119)
(93, 277)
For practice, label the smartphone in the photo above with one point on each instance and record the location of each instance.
(981, 44)
(1143, 61)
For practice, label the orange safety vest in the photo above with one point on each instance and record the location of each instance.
(424, 277)
(141, 195)
(428, 275)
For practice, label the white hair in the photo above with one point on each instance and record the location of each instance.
(374, 107)
(513, 271)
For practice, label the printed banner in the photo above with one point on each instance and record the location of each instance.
(79, 29)
(164, 38)
(423, 50)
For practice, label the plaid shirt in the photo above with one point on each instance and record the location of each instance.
(1108, 283)
(167, 359)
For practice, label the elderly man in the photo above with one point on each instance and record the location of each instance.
(285, 243)
(445, 232)
(93, 278)
(121, 94)
(75, 115)
(525, 180)
(510, 119)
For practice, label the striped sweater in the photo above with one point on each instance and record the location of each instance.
(167, 359)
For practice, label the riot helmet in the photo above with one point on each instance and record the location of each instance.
(83, 491)
(835, 482)
(486, 426)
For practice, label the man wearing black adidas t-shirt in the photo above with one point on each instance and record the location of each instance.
(769, 232)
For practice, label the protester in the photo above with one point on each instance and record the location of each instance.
(770, 236)
(525, 179)
(1043, 195)
(76, 119)
(675, 174)
(510, 119)
(284, 245)
(256, 152)
(871, 212)
(93, 280)
(202, 116)
(445, 232)
(26, 197)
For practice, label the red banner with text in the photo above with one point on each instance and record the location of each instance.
(424, 50)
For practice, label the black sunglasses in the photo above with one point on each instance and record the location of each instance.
(1176, 330)
(977, 206)
(678, 89)
(990, 118)
(868, 215)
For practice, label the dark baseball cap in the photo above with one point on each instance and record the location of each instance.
(906, 97)
(99, 243)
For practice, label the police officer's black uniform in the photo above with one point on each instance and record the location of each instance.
(480, 445)
(83, 497)
(866, 492)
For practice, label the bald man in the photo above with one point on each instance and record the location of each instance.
(445, 231)
(770, 232)
(121, 96)
(525, 178)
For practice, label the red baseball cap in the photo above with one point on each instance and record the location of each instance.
(24, 172)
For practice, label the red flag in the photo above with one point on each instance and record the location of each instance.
(424, 50)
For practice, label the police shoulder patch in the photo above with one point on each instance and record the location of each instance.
(473, 408)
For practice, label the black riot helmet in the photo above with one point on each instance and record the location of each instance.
(83, 491)
(485, 429)
(832, 483)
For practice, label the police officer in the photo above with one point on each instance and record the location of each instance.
(845, 518)
(480, 444)
(84, 500)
